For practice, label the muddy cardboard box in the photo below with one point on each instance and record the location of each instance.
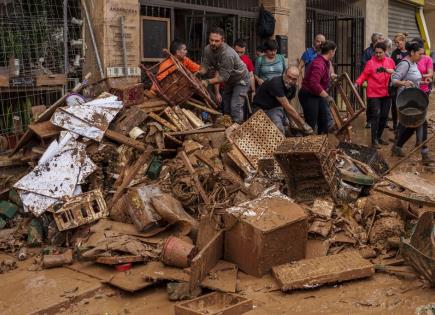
(265, 232)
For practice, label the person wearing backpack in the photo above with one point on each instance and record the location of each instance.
(270, 64)
(377, 73)
(407, 75)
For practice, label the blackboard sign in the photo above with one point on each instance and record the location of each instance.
(154, 38)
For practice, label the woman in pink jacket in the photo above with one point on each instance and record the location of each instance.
(377, 73)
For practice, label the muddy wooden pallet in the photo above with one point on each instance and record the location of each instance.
(258, 139)
(313, 272)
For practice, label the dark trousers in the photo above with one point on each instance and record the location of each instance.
(377, 115)
(315, 111)
(404, 133)
(394, 112)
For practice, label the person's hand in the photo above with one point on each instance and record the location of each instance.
(428, 80)
(408, 83)
(218, 98)
(260, 81)
(334, 76)
(381, 69)
(205, 83)
(307, 129)
(330, 100)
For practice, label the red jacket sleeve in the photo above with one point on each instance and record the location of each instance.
(365, 74)
(249, 64)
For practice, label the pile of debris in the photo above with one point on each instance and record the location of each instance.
(167, 190)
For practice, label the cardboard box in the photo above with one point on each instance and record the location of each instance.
(269, 231)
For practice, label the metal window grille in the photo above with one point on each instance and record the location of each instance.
(32, 41)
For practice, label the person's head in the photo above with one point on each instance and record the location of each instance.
(327, 49)
(291, 76)
(318, 41)
(389, 44)
(178, 49)
(415, 50)
(400, 40)
(380, 49)
(270, 48)
(259, 51)
(419, 40)
(240, 47)
(377, 37)
(216, 38)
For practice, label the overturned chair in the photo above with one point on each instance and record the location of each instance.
(179, 85)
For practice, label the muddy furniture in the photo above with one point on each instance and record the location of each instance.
(179, 85)
(268, 231)
(215, 303)
(80, 210)
(301, 160)
(345, 89)
(419, 251)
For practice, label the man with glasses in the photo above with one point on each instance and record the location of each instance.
(273, 98)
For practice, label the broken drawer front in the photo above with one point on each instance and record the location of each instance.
(80, 210)
(313, 272)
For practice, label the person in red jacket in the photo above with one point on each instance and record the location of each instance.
(313, 96)
(377, 73)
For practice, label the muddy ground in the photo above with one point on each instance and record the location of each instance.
(65, 291)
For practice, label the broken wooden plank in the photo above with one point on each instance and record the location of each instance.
(413, 198)
(309, 273)
(163, 122)
(131, 280)
(176, 121)
(194, 120)
(203, 108)
(128, 119)
(157, 271)
(116, 260)
(45, 129)
(183, 117)
(120, 138)
(196, 131)
(206, 259)
(152, 103)
(130, 175)
(195, 177)
(222, 277)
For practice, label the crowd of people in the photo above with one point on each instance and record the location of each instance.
(269, 84)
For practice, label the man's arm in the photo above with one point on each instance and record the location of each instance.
(294, 114)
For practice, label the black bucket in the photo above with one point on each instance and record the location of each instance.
(412, 104)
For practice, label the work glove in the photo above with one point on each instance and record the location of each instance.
(330, 100)
(381, 69)
(307, 129)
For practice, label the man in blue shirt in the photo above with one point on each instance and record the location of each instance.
(311, 52)
(369, 52)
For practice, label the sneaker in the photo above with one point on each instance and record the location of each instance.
(368, 125)
(426, 159)
(383, 142)
(397, 151)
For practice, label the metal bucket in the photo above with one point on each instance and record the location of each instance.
(412, 104)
